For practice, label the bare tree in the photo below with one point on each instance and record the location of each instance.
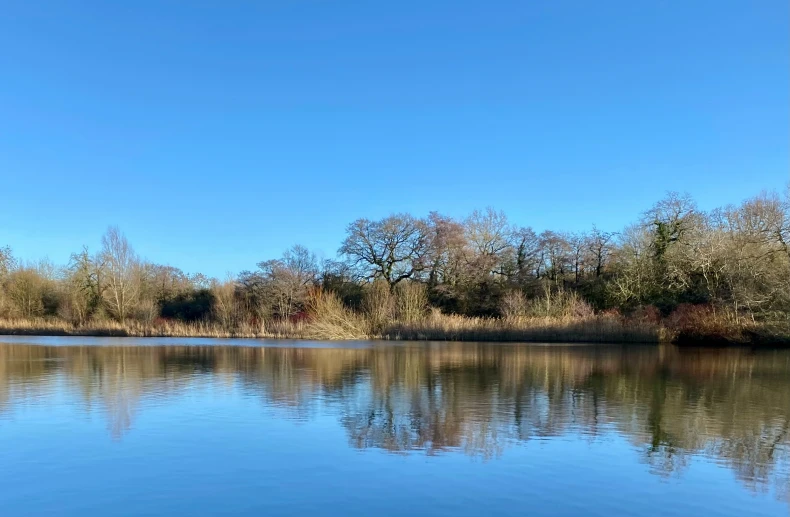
(766, 219)
(599, 245)
(165, 282)
(252, 297)
(754, 260)
(7, 265)
(634, 282)
(82, 287)
(556, 255)
(577, 247)
(488, 233)
(7, 262)
(526, 257)
(26, 288)
(287, 280)
(122, 281)
(706, 256)
(447, 248)
(669, 219)
(393, 249)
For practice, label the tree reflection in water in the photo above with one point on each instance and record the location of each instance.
(730, 405)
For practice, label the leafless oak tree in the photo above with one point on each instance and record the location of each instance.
(393, 249)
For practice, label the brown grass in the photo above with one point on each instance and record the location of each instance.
(332, 321)
(592, 329)
(41, 326)
(329, 320)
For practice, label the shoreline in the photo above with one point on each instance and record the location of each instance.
(712, 342)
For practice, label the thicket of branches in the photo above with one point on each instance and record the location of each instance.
(676, 262)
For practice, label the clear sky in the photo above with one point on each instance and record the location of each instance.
(217, 134)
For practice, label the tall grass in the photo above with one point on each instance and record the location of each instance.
(330, 320)
(162, 328)
(590, 329)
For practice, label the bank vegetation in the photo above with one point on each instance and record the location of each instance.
(677, 274)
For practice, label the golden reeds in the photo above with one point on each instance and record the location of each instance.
(330, 320)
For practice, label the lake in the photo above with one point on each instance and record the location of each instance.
(124, 426)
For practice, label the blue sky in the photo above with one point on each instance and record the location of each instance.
(217, 134)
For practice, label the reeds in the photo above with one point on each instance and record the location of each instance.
(162, 328)
(591, 329)
(330, 320)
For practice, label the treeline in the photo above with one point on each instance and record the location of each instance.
(717, 272)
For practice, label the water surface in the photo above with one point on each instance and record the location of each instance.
(92, 426)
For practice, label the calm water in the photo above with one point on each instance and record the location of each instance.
(204, 427)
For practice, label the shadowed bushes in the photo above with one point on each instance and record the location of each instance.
(704, 325)
(194, 306)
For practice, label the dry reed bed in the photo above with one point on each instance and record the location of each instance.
(592, 329)
(132, 329)
(346, 325)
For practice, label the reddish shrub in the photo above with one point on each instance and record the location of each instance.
(701, 324)
(688, 317)
(299, 317)
(611, 314)
(647, 314)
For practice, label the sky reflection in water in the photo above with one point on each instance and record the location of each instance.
(110, 427)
